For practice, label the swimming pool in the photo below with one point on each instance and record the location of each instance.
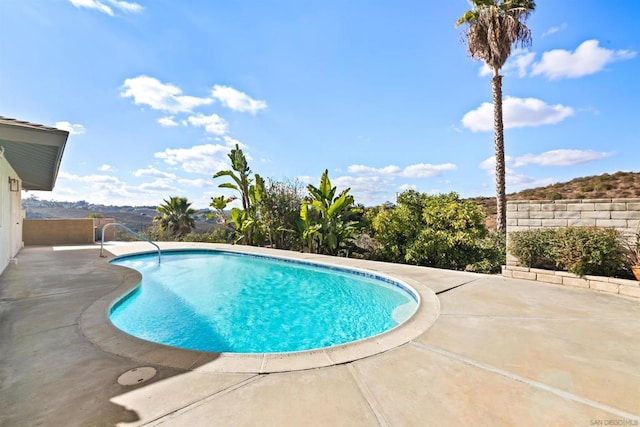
(221, 301)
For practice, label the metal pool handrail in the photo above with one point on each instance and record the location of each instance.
(130, 231)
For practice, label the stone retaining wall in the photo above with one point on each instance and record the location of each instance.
(522, 215)
(630, 288)
(622, 214)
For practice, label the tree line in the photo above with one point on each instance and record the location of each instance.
(441, 231)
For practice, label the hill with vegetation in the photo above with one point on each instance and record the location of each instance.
(138, 218)
(620, 185)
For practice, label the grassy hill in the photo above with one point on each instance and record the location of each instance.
(620, 185)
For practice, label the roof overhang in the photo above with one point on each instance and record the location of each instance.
(33, 151)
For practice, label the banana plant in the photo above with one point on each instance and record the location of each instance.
(330, 228)
(308, 230)
(246, 220)
(240, 175)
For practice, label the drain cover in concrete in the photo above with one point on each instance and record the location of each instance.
(137, 375)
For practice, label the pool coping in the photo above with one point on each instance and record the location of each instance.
(96, 326)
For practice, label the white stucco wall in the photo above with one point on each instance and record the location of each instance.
(10, 216)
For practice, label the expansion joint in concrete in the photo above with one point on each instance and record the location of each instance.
(560, 393)
(366, 392)
(457, 286)
(190, 407)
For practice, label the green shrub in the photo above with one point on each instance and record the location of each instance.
(534, 248)
(492, 254)
(583, 250)
(214, 235)
(443, 249)
(579, 250)
(441, 231)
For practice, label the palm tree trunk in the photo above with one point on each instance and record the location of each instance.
(498, 127)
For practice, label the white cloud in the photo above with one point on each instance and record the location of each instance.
(587, 59)
(405, 187)
(202, 159)
(126, 6)
(514, 180)
(158, 186)
(153, 172)
(213, 124)
(107, 168)
(150, 91)
(554, 30)
(519, 181)
(76, 129)
(560, 158)
(419, 170)
(93, 4)
(520, 61)
(367, 190)
(101, 6)
(199, 182)
(167, 122)
(367, 170)
(517, 113)
(236, 100)
(231, 142)
(91, 179)
(425, 170)
(489, 165)
(372, 186)
(107, 189)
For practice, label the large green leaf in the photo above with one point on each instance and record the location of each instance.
(231, 175)
(237, 216)
(337, 206)
(229, 185)
(304, 212)
(325, 183)
(315, 192)
(332, 241)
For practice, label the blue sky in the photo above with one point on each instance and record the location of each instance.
(382, 94)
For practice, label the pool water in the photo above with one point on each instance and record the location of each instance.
(225, 302)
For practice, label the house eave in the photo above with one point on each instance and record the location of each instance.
(34, 151)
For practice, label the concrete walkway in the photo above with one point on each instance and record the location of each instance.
(502, 352)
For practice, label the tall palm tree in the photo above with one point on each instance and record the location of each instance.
(493, 27)
(175, 216)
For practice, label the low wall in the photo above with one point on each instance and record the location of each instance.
(110, 233)
(630, 288)
(622, 214)
(63, 231)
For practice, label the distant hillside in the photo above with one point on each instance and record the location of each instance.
(619, 185)
(138, 218)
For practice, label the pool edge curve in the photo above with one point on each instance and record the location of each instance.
(96, 326)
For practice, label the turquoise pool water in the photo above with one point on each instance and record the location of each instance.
(225, 302)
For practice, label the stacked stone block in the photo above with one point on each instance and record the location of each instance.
(622, 214)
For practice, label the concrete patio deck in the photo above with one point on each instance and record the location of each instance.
(501, 352)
